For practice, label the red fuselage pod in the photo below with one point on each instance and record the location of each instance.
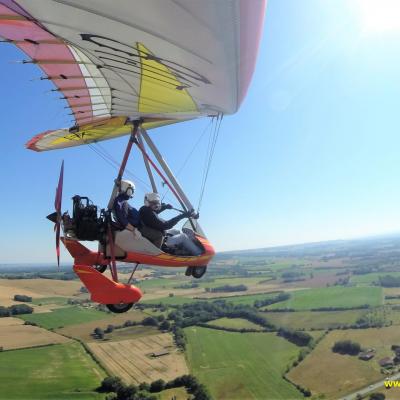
(105, 291)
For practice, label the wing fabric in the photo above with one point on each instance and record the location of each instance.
(161, 60)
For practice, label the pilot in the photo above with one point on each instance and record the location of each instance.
(127, 216)
(153, 227)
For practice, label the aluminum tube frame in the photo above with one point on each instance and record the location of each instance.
(117, 182)
(147, 165)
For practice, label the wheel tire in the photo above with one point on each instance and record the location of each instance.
(119, 308)
(100, 268)
(198, 272)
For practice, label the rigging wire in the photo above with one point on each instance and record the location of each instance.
(213, 143)
(190, 153)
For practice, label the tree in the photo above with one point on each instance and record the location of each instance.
(149, 321)
(110, 384)
(157, 386)
(165, 325)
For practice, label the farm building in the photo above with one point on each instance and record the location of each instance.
(366, 355)
(386, 362)
(159, 353)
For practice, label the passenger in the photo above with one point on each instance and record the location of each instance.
(126, 216)
(154, 228)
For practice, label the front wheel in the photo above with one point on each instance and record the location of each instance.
(100, 268)
(198, 272)
(119, 308)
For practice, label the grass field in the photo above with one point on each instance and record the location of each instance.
(175, 394)
(61, 372)
(249, 299)
(64, 317)
(314, 319)
(241, 365)
(368, 279)
(50, 301)
(174, 300)
(344, 374)
(336, 296)
(235, 323)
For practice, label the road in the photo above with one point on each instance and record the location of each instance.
(371, 388)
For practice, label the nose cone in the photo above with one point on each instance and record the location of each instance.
(52, 217)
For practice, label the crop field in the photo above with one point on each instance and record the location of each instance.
(83, 330)
(351, 372)
(241, 365)
(368, 279)
(249, 299)
(20, 336)
(10, 321)
(64, 317)
(131, 359)
(40, 287)
(337, 296)
(61, 372)
(314, 319)
(236, 323)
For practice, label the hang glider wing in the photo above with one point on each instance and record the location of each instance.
(163, 61)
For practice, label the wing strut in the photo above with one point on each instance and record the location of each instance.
(117, 181)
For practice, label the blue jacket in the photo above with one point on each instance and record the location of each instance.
(125, 213)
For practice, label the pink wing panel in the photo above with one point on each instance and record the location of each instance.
(51, 54)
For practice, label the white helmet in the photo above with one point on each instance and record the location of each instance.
(127, 187)
(152, 200)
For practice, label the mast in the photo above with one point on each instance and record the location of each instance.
(128, 149)
(146, 163)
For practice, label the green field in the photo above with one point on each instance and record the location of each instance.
(235, 281)
(50, 300)
(336, 296)
(64, 316)
(61, 372)
(241, 365)
(174, 300)
(314, 319)
(235, 323)
(248, 299)
(368, 279)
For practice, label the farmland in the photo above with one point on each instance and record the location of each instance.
(337, 296)
(315, 319)
(241, 366)
(235, 323)
(64, 316)
(20, 336)
(83, 331)
(351, 372)
(62, 372)
(132, 361)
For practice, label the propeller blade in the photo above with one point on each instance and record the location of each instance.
(57, 205)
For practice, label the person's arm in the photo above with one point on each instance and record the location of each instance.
(164, 207)
(151, 220)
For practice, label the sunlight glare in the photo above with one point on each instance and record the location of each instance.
(380, 15)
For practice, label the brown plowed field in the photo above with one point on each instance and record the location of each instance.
(21, 336)
(131, 361)
(36, 288)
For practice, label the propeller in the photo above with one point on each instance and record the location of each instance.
(56, 216)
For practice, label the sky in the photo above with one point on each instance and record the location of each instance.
(312, 154)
